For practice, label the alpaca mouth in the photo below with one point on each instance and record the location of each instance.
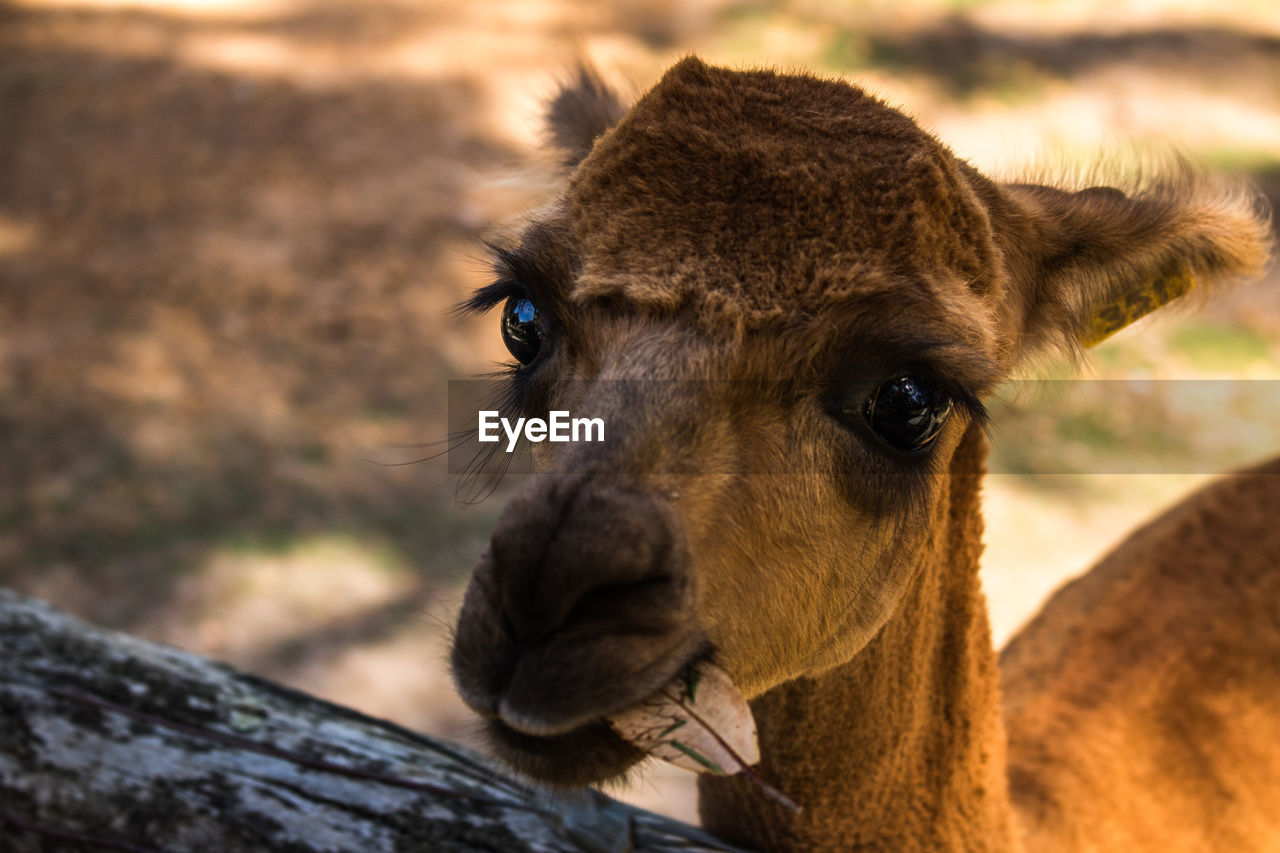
(565, 685)
(699, 721)
(589, 754)
(588, 750)
(547, 718)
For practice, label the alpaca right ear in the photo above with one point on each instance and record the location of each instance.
(584, 109)
(1087, 263)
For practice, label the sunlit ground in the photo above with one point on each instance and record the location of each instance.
(230, 233)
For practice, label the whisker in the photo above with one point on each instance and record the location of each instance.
(462, 437)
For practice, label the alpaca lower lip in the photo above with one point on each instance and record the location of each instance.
(535, 725)
(552, 694)
(550, 722)
(586, 755)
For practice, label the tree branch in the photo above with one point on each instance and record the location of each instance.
(108, 742)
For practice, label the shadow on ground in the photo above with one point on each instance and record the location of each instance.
(221, 295)
(967, 58)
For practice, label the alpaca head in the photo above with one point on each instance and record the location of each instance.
(786, 302)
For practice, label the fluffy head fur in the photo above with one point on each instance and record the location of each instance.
(750, 197)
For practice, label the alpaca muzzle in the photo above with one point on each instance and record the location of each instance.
(582, 606)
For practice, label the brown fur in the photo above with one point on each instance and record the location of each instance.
(803, 241)
(1143, 704)
(910, 726)
(580, 113)
(841, 196)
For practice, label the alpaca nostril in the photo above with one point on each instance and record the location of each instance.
(610, 555)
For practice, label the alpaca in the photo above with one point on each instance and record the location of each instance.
(813, 526)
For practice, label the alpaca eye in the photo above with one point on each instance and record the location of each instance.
(907, 412)
(522, 329)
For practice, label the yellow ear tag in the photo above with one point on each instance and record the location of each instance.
(1111, 318)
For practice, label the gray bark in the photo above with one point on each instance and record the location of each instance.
(108, 742)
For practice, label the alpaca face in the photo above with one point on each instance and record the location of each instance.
(784, 364)
(785, 301)
(770, 524)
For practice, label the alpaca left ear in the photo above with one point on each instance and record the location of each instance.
(583, 110)
(1085, 264)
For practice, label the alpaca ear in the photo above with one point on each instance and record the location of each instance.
(1087, 263)
(584, 109)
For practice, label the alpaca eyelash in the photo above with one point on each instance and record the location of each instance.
(969, 403)
(960, 392)
(490, 296)
(514, 275)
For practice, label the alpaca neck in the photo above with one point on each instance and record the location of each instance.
(902, 747)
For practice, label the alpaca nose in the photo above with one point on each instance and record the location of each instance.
(577, 552)
(583, 605)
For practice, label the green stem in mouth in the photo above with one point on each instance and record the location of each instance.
(691, 678)
(698, 757)
(671, 728)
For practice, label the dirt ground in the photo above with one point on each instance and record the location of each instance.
(230, 233)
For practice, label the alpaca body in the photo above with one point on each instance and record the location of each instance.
(1143, 702)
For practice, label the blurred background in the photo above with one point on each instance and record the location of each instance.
(230, 231)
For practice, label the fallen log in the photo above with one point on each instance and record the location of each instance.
(109, 742)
